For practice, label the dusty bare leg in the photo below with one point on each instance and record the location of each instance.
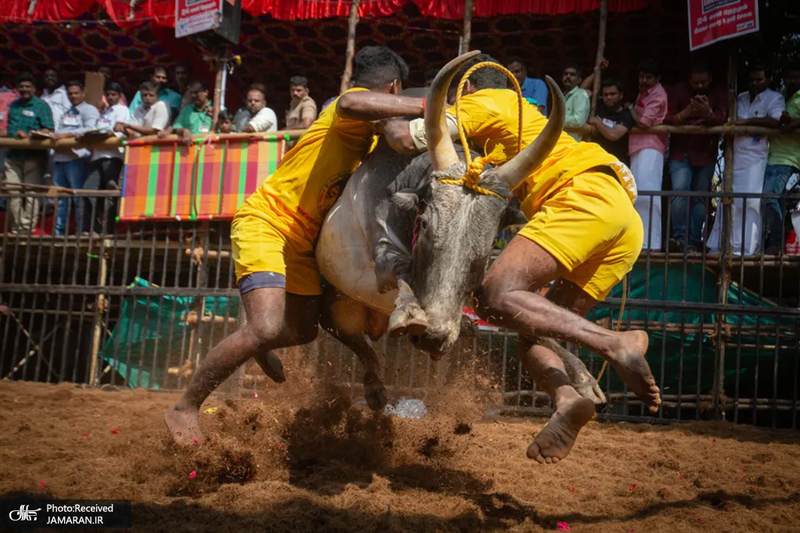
(555, 440)
(267, 311)
(347, 321)
(272, 366)
(505, 299)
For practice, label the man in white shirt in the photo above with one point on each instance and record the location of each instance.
(264, 118)
(70, 164)
(106, 163)
(760, 106)
(55, 95)
(150, 117)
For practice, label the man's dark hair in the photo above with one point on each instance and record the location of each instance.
(148, 86)
(516, 59)
(376, 66)
(299, 80)
(203, 85)
(483, 78)
(760, 66)
(25, 76)
(613, 82)
(159, 69)
(73, 83)
(113, 86)
(575, 66)
(224, 116)
(184, 64)
(650, 66)
(700, 67)
(259, 89)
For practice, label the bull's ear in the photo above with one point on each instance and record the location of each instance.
(405, 200)
(513, 217)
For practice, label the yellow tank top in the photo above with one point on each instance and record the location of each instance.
(490, 117)
(313, 174)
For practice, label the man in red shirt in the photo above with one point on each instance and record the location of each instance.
(693, 157)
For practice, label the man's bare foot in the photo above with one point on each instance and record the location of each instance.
(632, 367)
(184, 425)
(555, 440)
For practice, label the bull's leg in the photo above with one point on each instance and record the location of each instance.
(579, 375)
(348, 321)
(408, 318)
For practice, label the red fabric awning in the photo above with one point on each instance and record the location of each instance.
(162, 12)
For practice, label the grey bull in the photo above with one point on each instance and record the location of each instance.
(432, 241)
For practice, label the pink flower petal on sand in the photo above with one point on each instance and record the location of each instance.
(197, 441)
(192, 474)
(255, 394)
(563, 526)
(633, 486)
(115, 432)
(572, 489)
(41, 483)
(85, 435)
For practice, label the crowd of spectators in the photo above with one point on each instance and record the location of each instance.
(183, 106)
(762, 163)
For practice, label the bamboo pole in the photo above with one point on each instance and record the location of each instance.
(466, 36)
(352, 24)
(99, 309)
(601, 51)
(220, 63)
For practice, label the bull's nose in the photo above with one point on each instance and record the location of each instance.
(435, 344)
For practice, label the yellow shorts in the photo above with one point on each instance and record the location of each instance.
(590, 226)
(264, 257)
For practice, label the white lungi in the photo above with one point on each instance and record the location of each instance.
(647, 166)
(746, 213)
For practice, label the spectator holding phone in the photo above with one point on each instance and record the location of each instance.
(692, 157)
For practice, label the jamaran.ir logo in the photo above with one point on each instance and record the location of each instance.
(24, 514)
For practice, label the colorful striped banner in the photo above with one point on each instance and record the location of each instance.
(169, 180)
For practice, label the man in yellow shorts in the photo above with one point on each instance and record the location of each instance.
(274, 232)
(583, 232)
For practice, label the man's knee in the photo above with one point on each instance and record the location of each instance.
(265, 333)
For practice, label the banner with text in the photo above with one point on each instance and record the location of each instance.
(194, 16)
(716, 20)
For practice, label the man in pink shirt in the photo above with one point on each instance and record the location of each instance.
(7, 95)
(647, 150)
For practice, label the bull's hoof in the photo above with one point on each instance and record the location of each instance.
(374, 391)
(590, 389)
(407, 320)
(272, 366)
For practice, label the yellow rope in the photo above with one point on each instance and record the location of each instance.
(619, 321)
(475, 168)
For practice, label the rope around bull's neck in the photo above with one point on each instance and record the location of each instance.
(475, 168)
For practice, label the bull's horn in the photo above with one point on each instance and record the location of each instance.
(440, 145)
(515, 171)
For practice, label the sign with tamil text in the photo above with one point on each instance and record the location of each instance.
(716, 20)
(195, 16)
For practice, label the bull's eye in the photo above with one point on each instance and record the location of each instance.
(423, 225)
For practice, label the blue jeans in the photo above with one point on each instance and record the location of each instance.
(70, 174)
(775, 178)
(689, 178)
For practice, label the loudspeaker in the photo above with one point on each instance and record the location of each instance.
(227, 31)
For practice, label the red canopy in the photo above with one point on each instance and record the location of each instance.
(162, 12)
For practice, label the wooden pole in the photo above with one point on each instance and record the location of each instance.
(726, 260)
(466, 36)
(601, 52)
(352, 24)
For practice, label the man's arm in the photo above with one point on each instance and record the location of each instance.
(612, 134)
(579, 112)
(368, 106)
(308, 114)
(677, 113)
(763, 122)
